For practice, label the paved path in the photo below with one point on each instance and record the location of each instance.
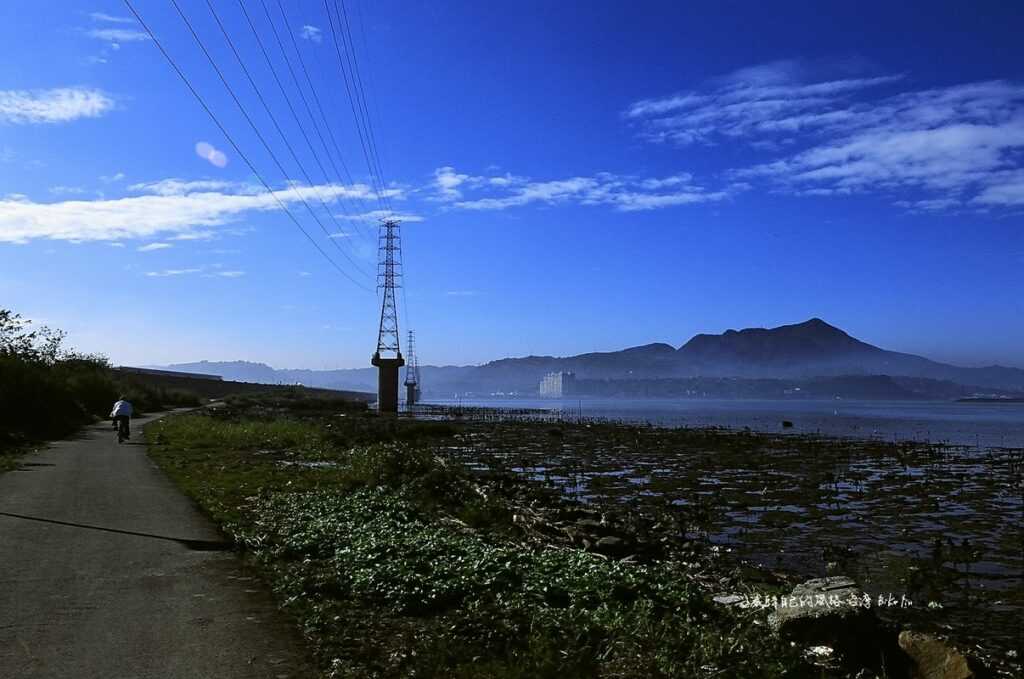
(91, 586)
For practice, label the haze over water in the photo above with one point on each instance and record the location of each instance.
(987, 425)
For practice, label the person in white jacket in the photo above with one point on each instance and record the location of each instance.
(122, 416)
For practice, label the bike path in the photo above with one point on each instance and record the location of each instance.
(108, 571)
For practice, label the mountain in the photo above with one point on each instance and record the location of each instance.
(809, 343)
(802, 351)
(814, 349)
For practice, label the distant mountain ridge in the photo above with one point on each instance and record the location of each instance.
(805, 350)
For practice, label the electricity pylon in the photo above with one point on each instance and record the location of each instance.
(412, 373)
(388, 357)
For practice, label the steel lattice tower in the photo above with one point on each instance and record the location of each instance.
(388, 357)
(412, 373)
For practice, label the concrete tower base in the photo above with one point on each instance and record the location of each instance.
(387, 382)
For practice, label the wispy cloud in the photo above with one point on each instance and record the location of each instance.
(110, 18)
(205, 272)
(161, 211)
(954, 145)
(375, 216)
(171, 272)
(1005, 188)
(447, 182)
(624, 193)
(181, 187)
(59, 105)
(66, 190)
(311, 33)
(154, 246)
(117, 35)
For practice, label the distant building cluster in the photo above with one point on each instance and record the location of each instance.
(558, 385)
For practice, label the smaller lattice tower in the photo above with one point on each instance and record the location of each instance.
(412, 373)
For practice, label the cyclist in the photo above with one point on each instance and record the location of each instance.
(122, 415)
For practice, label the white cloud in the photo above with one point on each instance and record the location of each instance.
(66, 190)
(195, 235)
(375, 216)
(171, 272)
(837, 137)
(207, 151)
(117, 34)
(110, 179)
(173, 215)
(626, 194)
(929, 205)
(447, 182)
(59, 105)
(154, 246)
(204, 271)
(311, 33)
(180, 187)
(100, 16)
(1005, 189)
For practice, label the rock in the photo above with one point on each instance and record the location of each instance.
(933, 658)
(728, 599)
(832, 612)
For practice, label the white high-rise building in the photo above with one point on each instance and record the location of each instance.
(558, 385)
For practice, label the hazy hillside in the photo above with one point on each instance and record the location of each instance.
(812, 349)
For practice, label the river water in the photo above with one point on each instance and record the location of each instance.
(985, 425)
(938, 524)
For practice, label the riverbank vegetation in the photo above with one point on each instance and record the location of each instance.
(445, 548)
(396, 562)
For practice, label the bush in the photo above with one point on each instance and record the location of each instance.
(47, 391)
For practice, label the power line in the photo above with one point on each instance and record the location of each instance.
(312, 88)
(234, 145)
(362, 30)
(369, 77)
(245, 113)
(284, 137)
(354, 54)
(295, 115)
(352, 103)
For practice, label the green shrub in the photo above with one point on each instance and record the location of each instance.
(47, 391)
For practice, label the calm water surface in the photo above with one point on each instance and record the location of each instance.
(986, 425)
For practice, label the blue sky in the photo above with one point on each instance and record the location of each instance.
(572, 177)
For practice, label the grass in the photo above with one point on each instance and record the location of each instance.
(395, 561)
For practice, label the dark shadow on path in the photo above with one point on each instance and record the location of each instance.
(194, 545)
